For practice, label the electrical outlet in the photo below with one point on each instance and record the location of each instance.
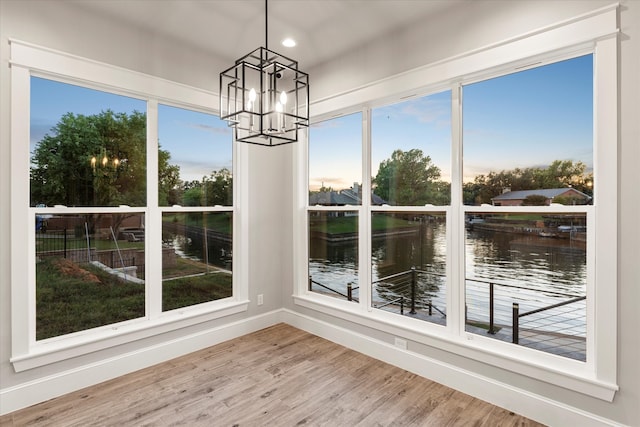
(260, 299)
(399, 342)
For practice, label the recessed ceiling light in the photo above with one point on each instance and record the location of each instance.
(288, 42)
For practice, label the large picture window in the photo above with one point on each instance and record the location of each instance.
(335, 188)
(126, 221)
(526, 186)
(487, 200)
(88, 150)
(528, 141)
(195, 170)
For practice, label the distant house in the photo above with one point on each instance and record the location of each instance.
(516, 198)
(350, 196)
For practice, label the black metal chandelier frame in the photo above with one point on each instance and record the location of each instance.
(265, 97)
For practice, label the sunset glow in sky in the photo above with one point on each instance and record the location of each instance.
(524, 119)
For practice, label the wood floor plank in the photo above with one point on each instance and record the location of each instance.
(279, 376)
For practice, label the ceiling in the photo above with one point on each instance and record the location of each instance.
(229, 29)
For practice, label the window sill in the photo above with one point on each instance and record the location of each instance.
(569, 374)
(57, 349)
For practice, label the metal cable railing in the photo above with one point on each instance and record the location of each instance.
(547, 320)
(415, 287)
(349, 295)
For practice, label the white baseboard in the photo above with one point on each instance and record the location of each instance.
(520, 401)
(517, 400)
(42, 389)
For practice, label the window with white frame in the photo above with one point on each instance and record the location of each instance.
(88, 155)
(527, 190)
(528, 150)
(335, 189)
(195, 174)
(495, 238)
(120, 185)
(411, 192)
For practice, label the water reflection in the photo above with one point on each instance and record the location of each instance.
(189, 243)
(532, 261)
(333, 252)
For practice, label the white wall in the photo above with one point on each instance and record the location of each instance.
(64, 26)
(478, 24)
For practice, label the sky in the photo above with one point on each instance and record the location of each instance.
(524, 119)
(199, 143)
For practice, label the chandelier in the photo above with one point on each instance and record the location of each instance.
(264, 97)
(103, 161)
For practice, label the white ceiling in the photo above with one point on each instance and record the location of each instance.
(229, 29)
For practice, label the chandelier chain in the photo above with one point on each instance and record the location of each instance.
(266, 26)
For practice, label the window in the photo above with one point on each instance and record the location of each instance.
(195, 170)
(487, 197)
(411, 152)
(335, 177)
(88, 152)
(119, 184)
(411, 167)
(528, 141)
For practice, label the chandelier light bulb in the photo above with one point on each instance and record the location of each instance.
(280, 90)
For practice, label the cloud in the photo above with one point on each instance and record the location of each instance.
(424, 110)
(212, 129)
(194, 170)
(336, 183)
(428, 110)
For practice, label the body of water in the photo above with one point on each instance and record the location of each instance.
(544, 266)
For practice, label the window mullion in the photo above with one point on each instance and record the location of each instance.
(606, 202)
(365, 213)
(153, 218)
(455, 221)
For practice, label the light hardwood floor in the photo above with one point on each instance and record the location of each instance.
(279, 376)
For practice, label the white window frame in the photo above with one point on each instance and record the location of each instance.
(29, 60)
(596, 33)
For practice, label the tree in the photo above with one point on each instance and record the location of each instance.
(216, 189)
(562, 173)
(97, 160)
(559, 174)
(410, 178)
(170, 189)
(219, 188)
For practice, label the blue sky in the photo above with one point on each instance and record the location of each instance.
(199, 143)
(525, 119)
(530, 118)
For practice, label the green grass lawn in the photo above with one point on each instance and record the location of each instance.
(218, 221)
(349, 224)
(74, 297)
(58, 244)
(186, 291)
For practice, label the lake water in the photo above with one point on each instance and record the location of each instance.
(544, 266)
